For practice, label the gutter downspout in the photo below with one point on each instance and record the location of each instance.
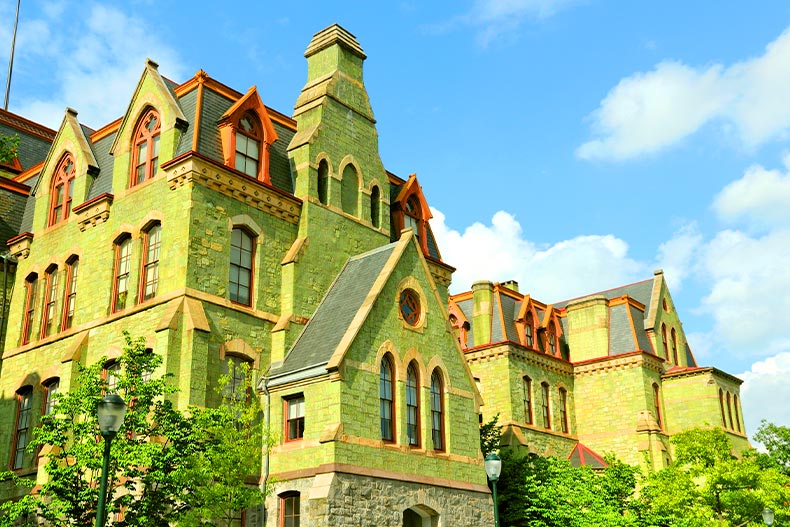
(265, 461)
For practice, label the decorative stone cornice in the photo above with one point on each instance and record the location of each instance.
(197, 171)
(536, 358)
(620, 362)
(94, 212)
(440, 272)
(19, 246)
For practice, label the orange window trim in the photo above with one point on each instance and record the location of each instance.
(62, 190)
(146, 133)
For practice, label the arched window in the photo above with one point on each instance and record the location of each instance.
(349, 188)
(123, 256)
(564, 409)
(152, 241)
(674, 336)
(70, 296)
(657, 405)
(729, 410)
(31, 291)
(544, 405)
(236, 370)
(289, 509)
(413, 405)
(386, 404)
(62, 190)
(145, 148)
(529, 331)
(48, 323)
(527, 386)
(241, 256)
(437, 410)
(552, 338)
(323, 181)
(413, 215)
(375, 207)
(721, 407)
(664, 340)
(111, 373)
(248, 144)
(50, 388)
(737, 414)
(24, 400)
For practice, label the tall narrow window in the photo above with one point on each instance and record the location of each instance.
(674, 341)
(527, 386)
(48, 323)
(323, 181)
(564, 410)
(248, 145)
(24, 399)
(51, 388)
(437, 411)
(413, 215)
(289, 509)
(552, 338)
(375, 198)
(111, 374)
(294, 421)
(70, 297)
(664, 341)
(721, 407)
(386, 406)
(145, 148)
(529, 332)
(413, 405)
(544, 405)
(236, 369)
(31, 291)
(123, 254)
(349, 189)
(62, 190)
(729, 410)
(737, 414)
(657, 405)
(241, 252)
(152, 241)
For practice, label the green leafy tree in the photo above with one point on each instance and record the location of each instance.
(776, 440)
(9, 148)
(490, 436)
(164, 464)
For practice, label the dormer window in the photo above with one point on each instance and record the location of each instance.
(412, 216)
(145, 149)
(62, 190)
(248, 145)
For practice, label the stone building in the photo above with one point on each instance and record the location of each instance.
(225, 232)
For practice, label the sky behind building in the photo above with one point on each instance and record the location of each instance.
(573, 146)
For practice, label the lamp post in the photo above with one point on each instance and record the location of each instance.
(493, 468)
(768, 516)
(111, 412)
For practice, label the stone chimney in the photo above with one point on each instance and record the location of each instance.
(482, 311)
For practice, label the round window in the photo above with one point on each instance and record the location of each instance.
(410, 307)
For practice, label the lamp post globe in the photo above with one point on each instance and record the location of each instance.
(110, 413)
(493, 466)
(768, 516)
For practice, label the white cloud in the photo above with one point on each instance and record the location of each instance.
(760, 198)
(765, 392)
(677, 256)
(648, 112)
(94, 62)
(559, 271)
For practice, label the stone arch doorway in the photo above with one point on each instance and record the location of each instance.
(420, 516)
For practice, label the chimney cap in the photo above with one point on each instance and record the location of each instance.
(334, 34)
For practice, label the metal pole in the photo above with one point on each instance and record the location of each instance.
(105, 468)
(496, 507)
(11, 58)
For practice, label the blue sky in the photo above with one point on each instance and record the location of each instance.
(571, 145)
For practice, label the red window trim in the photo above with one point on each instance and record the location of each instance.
(118, 247)
(526, 384)
(657, 404)
(25, 391)
(412, 368)
(63, 177)
(31, 290)
(152, 264)
(545, 405)
(437, 376)
(70, 293)
(48, 311)
(564, 423)
(142, 134)
(282, 498)
(253, 241)
(287, 421)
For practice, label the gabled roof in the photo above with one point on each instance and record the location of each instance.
(582, 455)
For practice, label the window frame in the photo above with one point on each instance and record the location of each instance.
(545, 405)
(70, 293)
(564, 424)
(51, 387)
(283, 500)
(237, 252)
(526, 384)
(721, 407)
(24, 411)
(29, 314)
(729, 410)
(657, 405)
(253, 136)
(674, 341)
(298, 420)
(375, 206)
(387, 399)
(237, 375)
(664, 340)
(48, 318)
(122, 257)
(737, 413)
(322, 187)
(63, 177)
(143, 135)
(437, 411)
(111, 374)
(413, 405)
(529, 332)
(152, 248)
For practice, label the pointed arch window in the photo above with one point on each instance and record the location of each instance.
(729, 410)
(664, 340)
(564, 409)
(657, 405)
(70, 297)
(437, 410)
(323, 181)
(721, 407)
(526, 384)
(386, 403)
(242, 245)
(544, 405)
(145, 147)
(51, 388)
(62, 190)
(152, 242)
(123, 257)
(737, 414)
(529, 331)
(674, 341)
(375, 206)
(24, 401)
(412, 216)
(552, 339)
(248, 144)
(349, 188)
(48, 323)
(413, 405)
(31, 291)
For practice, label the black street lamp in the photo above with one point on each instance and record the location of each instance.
(768, 516)
(111, 412)
(493, 468)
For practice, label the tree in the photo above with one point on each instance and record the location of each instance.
(9, 148)
(490, 436)
(776, 440)
(165, 464)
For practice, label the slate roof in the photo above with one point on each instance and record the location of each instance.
(582, 455)
(639, 291)
(34, 139)
(332, 318)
